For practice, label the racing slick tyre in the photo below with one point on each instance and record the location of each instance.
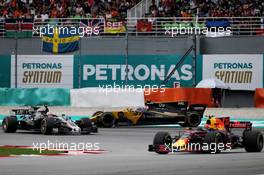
(193, 120)
(212, 140)
(106, 120)
(86, 126)
(10, 124)
(46, 126)
(253, 141)
(164, 139)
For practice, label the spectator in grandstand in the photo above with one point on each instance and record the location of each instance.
(87, 7)
(44, 15)
(123, 9)
(114, 12)
(54, 13)
(37, 18)
(213, 8)
(108, 15)
(153, 9)
(79, 10)
(161, 8)
(3, 11)
(63, 8)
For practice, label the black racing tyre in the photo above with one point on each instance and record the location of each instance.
(212, 140)
(193, 120)
(46, 126)
(106, 120)
(253, 141)
(86, 126)
(94, 129)
(162, 138)
(9, 124)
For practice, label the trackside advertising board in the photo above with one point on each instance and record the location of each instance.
(5, 70)
(42, 71)
(239, 71)
(143, 70)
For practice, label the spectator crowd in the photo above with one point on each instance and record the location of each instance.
(207, 8)
(44, 9)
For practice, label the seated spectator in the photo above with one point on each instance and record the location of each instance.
(153, 9)
(37, 18)
(123, 9)
(114, 12)
(108, 15)
(17, 13)
(161, 8)
(54, 13)
(87, 8)
(44, 16)
(79, 9)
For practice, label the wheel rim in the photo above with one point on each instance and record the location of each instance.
(43, 126)
(261, 142)
(108, 119)
(167, 140)
(4, 126)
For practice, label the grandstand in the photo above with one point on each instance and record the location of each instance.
(44, 9)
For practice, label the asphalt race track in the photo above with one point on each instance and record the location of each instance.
(126, 153)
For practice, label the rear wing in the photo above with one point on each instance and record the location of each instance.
(20, 111)
(244, 124)
(199, 108)
(24, 111)
(236, 124)
(180, 106)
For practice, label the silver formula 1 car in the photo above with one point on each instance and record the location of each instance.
(39, 119)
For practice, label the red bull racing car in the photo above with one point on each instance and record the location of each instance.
(215, 137)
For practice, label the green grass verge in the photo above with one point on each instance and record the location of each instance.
(7, 151)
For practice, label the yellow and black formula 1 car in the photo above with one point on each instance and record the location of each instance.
(154, 113)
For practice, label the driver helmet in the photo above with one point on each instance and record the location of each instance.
(210, 122)
(41, 109)
(214, 123)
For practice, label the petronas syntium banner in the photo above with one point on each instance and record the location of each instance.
(238, 71)
(142, 70)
